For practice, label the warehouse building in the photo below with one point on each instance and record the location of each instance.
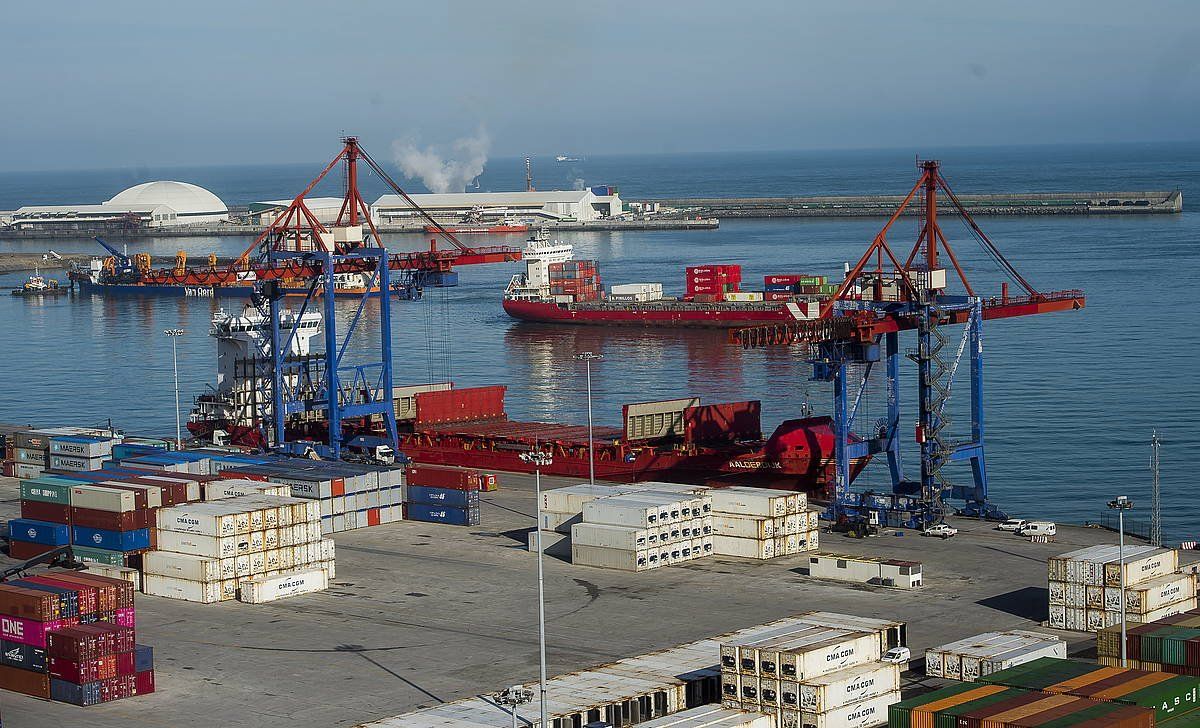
(325, 209)
(531, 207)
(151, 204)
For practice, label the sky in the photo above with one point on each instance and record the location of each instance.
(111, 84)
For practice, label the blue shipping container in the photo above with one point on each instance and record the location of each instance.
(143, 658)
(442, 514)
(442, 496)
(68, 692)
(112, 540)
(26, 657)
(123, 451)
(778, 288)
(43, 532)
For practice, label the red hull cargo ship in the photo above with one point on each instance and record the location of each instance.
(679, 439)
(557, 289)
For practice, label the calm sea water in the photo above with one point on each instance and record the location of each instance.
(1071, 398)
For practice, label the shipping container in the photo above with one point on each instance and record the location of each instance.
(443, 496)
(757, 501)
(848, 686)
(712, 716)
(612, 558)
(24, 681)
(126, 541)
(205, 592)
(1142, 567)
(746, 548)
(460, 405)
(261, 589)
(40, 532)
(442, 514)
(971, 658)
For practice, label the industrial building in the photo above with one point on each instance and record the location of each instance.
(532, 207)
(150, 204)
(326, 209)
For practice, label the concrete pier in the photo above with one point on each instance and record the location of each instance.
(1024, 203)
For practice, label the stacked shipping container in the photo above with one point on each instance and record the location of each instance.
(760, 523)
(995, 706)
(983, 654)
(1168, 696)
(69, 636)
(632, 690)
(574, 281)
(1171, 644)
(821, 670)
(1085, 587)
(710, 283)
(445, 495)
(208, 552)
(654, 526)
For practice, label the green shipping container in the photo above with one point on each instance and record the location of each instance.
(47, 492)
(1169, 696)
(100, 556)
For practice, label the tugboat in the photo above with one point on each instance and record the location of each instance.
(39, 285)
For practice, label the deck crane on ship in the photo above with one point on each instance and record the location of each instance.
(858, 331)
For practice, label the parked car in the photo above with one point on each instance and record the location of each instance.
(897, 655)
(1038, 528)
(941, 530)
(1013, 524)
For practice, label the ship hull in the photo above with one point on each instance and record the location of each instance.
(477, 229)
(243, 291)
(680, 315)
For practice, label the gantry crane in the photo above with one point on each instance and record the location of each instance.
(858, 330)
(327, 391)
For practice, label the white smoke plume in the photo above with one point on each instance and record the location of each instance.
(440, 172)
(579, 184)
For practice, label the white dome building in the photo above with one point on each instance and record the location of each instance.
(189, 203)
(164, 203)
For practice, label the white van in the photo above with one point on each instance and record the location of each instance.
(1038, 528)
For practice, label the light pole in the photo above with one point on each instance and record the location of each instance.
(514, 697)
(540, 460)
(1120, 505)
(175, 334)
(587, 358)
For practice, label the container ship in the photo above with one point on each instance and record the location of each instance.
(678, 439)
(555, 288)
(121, 274)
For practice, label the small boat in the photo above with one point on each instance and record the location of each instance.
(39, 285)
(565, 158)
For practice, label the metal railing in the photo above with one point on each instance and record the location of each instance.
(1135, 527)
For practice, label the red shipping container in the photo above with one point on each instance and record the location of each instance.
(41, 511)
(790, 278)
(88, 596)
(112, 520)
(114, 593)
(144, 682)
(126, 664)
(32, 604)
(28, 682)
(124, 617)
(776, 296)
(117, 688)
(101, 668)
(372, 516)
(22, 550)
(434, 477)
(723, 423)
(460, 405)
